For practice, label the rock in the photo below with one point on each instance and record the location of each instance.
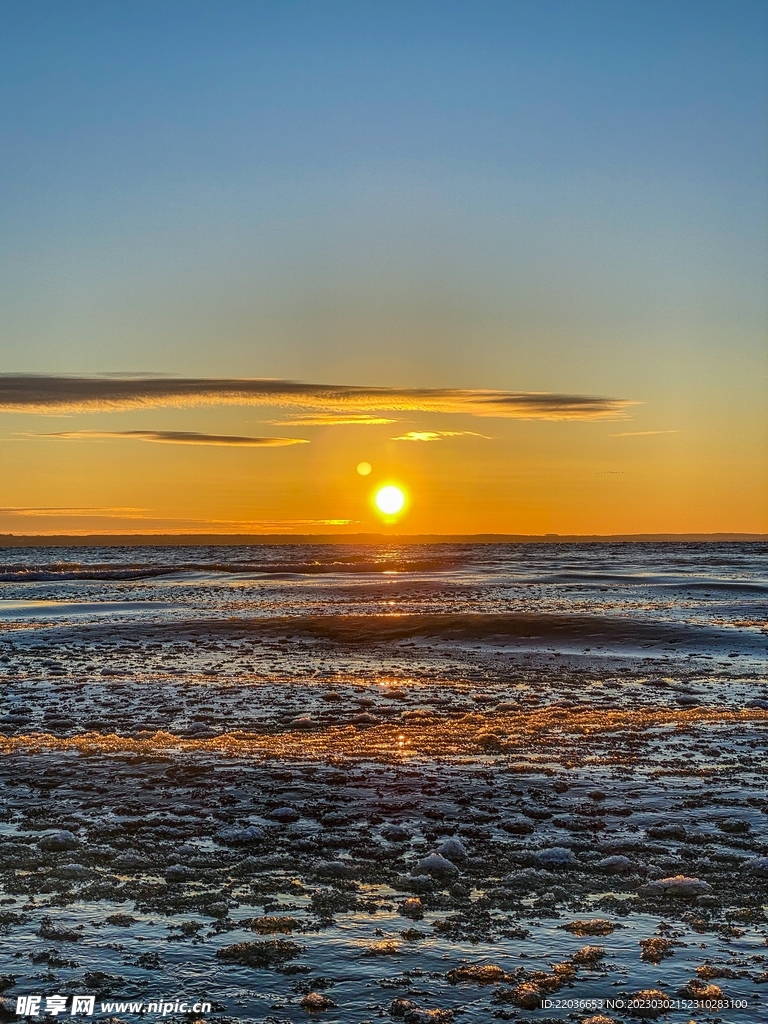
(334, 869)
(588, 956)
(696, 989)
(437, 865)
(63, 840)
(616, 865)
(416, 883)
(676, 885)
(334, 819)
(708, 972)
(399, 1007)
(489, 740)
(72, 871)
(599, 1018)
(386, 948)
(48, 930)
(412, 908)
(655, 950)
(179, 873)
(200, 729)
(121, 920)
(365, 718)
(485, 974)
(240, 836)
(453, 849)
(316, 1002)
(420, 1016)
(756, 866)
(527, 996)
(285, 815)
(260, 954)
(527, 879)
(270, 925)
(517, 826)
(556, 857)
(594, 926)
(216, 910)
(735, 826)
(665, 830)
(302, 722)
(396, 834)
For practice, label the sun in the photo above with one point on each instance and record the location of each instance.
(389, 500)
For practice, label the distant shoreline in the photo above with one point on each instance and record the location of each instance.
(245, 540)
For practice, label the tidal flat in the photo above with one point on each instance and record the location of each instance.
(467, 782)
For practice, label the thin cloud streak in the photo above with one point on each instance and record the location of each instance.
(175, 437)
(643, 433)
(40, 393)
(438, 435)
(332, 419)
(95, 511)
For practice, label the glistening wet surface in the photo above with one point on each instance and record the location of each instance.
(430, 783)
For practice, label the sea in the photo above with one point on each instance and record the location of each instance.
(420, 782)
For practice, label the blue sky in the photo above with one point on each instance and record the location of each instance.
(562, 196)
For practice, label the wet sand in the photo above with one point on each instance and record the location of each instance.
(406, 821)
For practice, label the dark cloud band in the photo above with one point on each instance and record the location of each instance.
(38, 393)
(176, 437)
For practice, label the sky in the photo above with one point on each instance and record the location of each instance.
(510, 255)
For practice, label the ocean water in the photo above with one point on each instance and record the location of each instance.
(225, 769)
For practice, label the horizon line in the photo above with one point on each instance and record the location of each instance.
(10, 540)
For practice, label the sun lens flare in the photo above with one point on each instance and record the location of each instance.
(389, 500)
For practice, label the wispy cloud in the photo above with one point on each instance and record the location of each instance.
(56, 512)
(437, 435)
(175, 437)
(334, 419)
(643, 433)
(39, 393)
(150, 522)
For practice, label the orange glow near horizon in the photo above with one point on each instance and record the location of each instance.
(87, 474)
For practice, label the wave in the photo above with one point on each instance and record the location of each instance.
(85, 573)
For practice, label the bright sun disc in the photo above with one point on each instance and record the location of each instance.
(390, 500)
